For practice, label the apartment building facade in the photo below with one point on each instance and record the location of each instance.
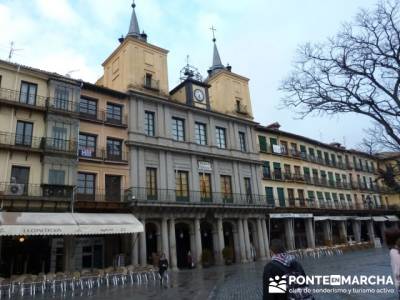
(335, 187)
(62, 149)
(389, 170)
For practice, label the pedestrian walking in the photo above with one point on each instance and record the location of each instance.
(253, 253)
(276, 272)
(395, 264)
(162, 268)
(190, 260)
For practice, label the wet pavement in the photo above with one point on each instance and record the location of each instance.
(242, 281)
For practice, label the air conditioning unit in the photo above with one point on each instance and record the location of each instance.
(16, 189)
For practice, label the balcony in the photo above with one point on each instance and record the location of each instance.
(103, 155)
(195, 197)
(294, 153)
(44, 196)
(19, 191)
(17, 98)
(63, 106)
(101, 117)
(20, 142)
(60, 146)
(151, 84)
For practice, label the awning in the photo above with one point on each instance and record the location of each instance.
(289, 216)
(379, 219)
(392, 218)
(13, 223)
(333, 218)
(363, 218)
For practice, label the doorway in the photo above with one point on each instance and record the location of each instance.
(113, 188)
(182, 235)
(151, 242)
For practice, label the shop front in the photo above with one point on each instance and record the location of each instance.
(33, 243)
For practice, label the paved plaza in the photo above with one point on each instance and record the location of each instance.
(241, 281)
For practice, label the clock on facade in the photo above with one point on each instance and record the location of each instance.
(199, 95)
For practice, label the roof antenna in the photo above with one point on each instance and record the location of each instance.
(70, 72)
(12, 50)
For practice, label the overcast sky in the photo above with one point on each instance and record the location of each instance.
(258, 38)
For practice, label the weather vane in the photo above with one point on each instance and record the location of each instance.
(213, 32)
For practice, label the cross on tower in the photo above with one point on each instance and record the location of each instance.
(133, 4)
(213, 32)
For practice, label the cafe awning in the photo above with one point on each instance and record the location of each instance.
(379, 219)
(290, 215)
(363, 218)
(26, 223)
(333, 218)
(392, 218)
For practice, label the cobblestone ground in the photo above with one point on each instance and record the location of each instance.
(241, 281)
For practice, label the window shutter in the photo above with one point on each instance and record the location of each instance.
(263, 143)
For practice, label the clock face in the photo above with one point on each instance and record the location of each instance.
(199, 95)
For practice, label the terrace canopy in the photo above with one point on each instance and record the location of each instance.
(45, 224)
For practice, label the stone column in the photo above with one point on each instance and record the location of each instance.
(371, 231)
(172, 245)
(261, 245)
(69, 253)
(247, 239)
(236, 245)
(143, 250)
(221, 241)
(309, 224)
(164, 237)
(135, 249)
(289, 233)
(357, 230)
(382, 227)
(199, 248)
(243, 257)
(343, 231)
(327, 231)
(266, 238)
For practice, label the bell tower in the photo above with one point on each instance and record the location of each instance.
(229, 92)
(136, 64)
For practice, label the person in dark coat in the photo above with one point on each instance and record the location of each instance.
(162, 266)
(281, 264)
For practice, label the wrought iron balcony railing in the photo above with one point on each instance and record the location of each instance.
(21, 141)
(147, 196)
(32, 100)
(63, 105)
(319, 181)
(60, 145)
(103, 154)
(29, 191)
(102, 117)
(27, 142)
(281, 150)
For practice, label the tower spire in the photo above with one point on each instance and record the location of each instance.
(134, 29)
(217, 63)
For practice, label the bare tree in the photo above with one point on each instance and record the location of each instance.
(357, 71)
(370, 143)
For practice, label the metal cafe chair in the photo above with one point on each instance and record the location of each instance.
(5, 287)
